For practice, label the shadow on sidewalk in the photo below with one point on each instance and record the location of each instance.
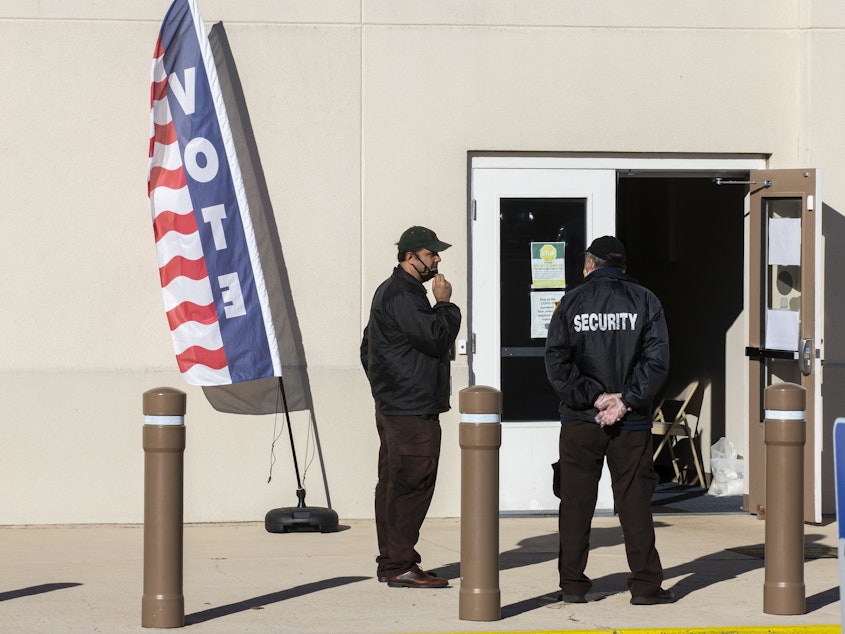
(257, 603)
(39, 589)
(697, 574)
(536, 550)
(717, 567)
(822, 599)
(529, 551)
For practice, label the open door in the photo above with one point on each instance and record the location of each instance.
(785, 320)
(519, 206)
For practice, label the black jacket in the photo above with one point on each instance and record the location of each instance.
(405, 348)
(608, 335)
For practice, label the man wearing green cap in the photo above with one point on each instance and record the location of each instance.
(405, 354)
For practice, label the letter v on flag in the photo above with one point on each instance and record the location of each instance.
(215, 297)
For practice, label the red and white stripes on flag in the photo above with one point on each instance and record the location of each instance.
(211, 277)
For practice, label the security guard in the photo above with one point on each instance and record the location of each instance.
(607, 356)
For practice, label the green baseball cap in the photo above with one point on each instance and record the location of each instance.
(420, 237)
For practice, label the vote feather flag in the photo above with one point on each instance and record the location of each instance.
(215, 296)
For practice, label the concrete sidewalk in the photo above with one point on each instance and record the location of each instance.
(239, 578)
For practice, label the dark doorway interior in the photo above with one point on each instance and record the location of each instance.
(685, 242)
(685, 237)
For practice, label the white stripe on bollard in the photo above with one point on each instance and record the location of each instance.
(785, 414)
(164, 420)
(481, 418)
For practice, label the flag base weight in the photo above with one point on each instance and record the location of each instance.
(295, 518)
(301, 518)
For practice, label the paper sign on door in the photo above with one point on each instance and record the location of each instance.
(782, 330)
(548, 265)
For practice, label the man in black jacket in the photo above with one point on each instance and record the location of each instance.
(405, 354)
(607, 356)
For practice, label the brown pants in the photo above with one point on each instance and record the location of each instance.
(407, 471)
(583, 448)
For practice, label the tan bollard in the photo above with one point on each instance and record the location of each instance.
(163, 604)
(480, 434)
(785, 436)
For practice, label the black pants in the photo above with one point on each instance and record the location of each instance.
(407, 471)
(583, 448)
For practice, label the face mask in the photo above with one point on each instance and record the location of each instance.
(426, 274)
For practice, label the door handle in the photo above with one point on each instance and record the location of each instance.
(765, 353)
(805, 358)
(804, 355)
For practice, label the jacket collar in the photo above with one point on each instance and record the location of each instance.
(610, 271)
(403, 275)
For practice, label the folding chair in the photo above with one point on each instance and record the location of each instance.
(676, 398)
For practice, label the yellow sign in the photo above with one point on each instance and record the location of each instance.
(548, 265)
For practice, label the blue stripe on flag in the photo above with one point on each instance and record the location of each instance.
(211, 186)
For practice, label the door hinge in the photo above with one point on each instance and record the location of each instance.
(473, 205)
(811, 203)
(472, 343)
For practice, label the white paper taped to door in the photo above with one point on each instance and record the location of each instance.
(785, 241)
(782, 330)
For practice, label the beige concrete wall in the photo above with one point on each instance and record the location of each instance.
(823, 137)
(364, 114)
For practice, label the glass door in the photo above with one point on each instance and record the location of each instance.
(542, 242)
(785, 322)
(529, 231)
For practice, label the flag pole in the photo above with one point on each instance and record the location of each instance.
(300, 517)
(300, 492)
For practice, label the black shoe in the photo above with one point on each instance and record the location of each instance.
(572, 598)
(662, 596)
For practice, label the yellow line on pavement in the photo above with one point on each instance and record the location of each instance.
(761, 629)
(755, 629)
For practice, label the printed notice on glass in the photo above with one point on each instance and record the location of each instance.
(548, 265)
(785, 241)
(782, 330)
(543, 304)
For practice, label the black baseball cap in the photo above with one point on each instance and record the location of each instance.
(608, 249)
(421, 238)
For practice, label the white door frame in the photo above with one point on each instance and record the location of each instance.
(529, 448)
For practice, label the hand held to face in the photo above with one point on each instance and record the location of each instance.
(441, 288)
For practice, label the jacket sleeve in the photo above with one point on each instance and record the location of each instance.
(576, 391)
(652, 367)
(365, 349)
(431, 330)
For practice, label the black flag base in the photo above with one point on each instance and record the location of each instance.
(301, 518)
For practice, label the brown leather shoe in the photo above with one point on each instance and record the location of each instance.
(416, 578)
(383, 578)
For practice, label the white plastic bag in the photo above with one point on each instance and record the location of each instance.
(726, 468)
